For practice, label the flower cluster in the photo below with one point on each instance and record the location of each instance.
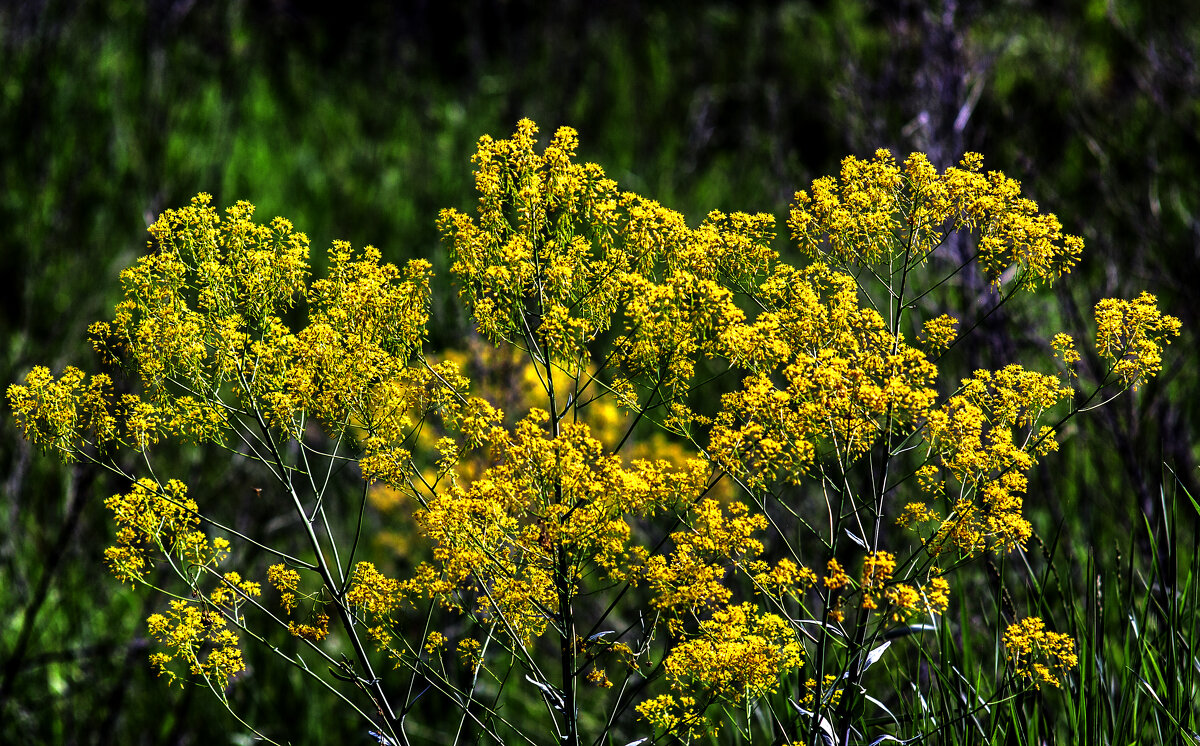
(879, 211)
(286, 581)
(902, 600)
(858, 214)
(558, 257)
(987, 437)
(198, 638)
(1131, 335)
(205, 310)
(155, 520)
(692, 577)
(64, 414)
(366, 320)
(162, 521)
(1038, 655)
(939, 333)
(233, 592)
(842, 378)
(736, 655)
(548, 503)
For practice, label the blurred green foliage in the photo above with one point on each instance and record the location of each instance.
(358, 124)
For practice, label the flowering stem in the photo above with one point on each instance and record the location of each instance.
(338, 592)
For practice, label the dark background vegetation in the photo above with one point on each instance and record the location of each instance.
(357, 122)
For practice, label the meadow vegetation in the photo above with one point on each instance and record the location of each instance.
(678, 488)
(361, 126)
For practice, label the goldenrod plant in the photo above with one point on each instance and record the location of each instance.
(679, 488)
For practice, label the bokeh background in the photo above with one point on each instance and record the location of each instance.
(357, 121)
